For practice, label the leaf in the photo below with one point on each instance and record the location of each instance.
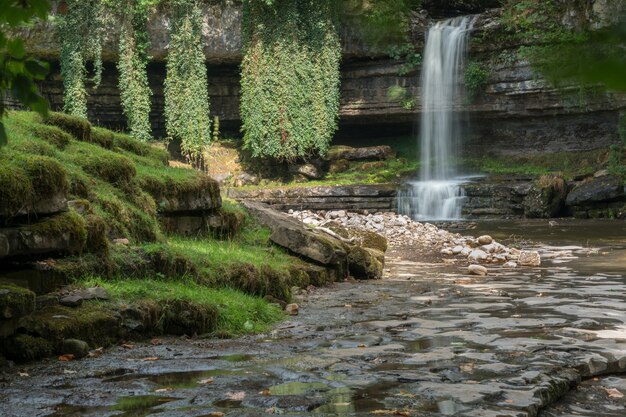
(614, 393)
(156, 342)
(23, 374)
(66, 358)
(216, 414)
(127, 346)
(236, 396)
(166, 389)
(391, 413)
(151, 358)
(206, 381)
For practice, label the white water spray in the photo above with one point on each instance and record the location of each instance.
(438, 195)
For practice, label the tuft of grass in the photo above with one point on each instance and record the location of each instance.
(238, 313)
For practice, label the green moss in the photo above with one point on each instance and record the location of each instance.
(96, 234)
(16, 189)
(102, 137)
(46, 174)
(141, 149)
(24, 347)
(113, 168)
(35, 148)
(70, 223)
(78, 127)
(52, 134)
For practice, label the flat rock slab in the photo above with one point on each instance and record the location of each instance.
(604, 188)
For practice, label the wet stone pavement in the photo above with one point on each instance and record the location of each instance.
(428, 340)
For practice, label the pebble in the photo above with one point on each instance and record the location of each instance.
(485, 240)
(477, 270)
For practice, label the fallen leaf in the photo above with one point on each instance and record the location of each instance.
(348, 306)
(127, 346)
(95, 353)
(166, 389)
(265, 393)
(614, 393)
(216, 414)
(361, 346)
(508, 401)
(156, 342)
(66, 358)
(206, 381)
(23, 374)
(151, 358)
(404, 393)
(236, 396)
(68, 372)
(391, 413)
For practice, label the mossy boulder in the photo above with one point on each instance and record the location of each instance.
(25, 347)
(32, 184)
(78, 127)
(365, 263)
(181, 317)
(546, 197)
(15, 301)
(77, 348)
(111, 167)
(62, 234)
(259, 281)
(141, 149)
(102, 137)
(181, 191)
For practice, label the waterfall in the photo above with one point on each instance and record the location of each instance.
(438, 194)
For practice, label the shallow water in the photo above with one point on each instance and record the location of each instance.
(427, 340)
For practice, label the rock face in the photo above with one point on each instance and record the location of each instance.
(518, 112)
(376, 197)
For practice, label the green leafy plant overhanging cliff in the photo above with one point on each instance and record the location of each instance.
(289, 78)
(81, 30)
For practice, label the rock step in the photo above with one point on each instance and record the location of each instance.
(372, 197)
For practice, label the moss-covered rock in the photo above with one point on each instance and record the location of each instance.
(260, 281)
(364, 263)
(75, 126)
(15, 301)
(102, 137)
(24, 347)
(129, 144)
(181, 191)
(546, 198)
(113, 168)
(181, 317)
(63, 234)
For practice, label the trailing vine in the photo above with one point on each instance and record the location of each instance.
(289, 78)
(186, 91)
(133, 84)
(81, 30)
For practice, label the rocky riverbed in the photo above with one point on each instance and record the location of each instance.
(428, 340)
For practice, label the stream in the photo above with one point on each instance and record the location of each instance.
(428, 340)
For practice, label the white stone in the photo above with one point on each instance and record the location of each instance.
(485, 240)
(478, 255)
(477, 270)
(529, 258)
(509, 264)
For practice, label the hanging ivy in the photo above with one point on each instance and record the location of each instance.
(289, 78)
(132, 65)
(81, 30)
(186, 92)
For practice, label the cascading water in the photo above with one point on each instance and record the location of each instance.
(438, 194)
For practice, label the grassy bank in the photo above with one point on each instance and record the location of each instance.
(119, 188)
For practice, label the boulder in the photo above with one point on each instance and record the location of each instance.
(598, 189)
(75, 347)
(309, 170)
(368, 153)
(339, 165)
(292, 309)
(478, 255)
(545, 198)
(529, 258)
(365, 263)
(294, 236)
(15, 301)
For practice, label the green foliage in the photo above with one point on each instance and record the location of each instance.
(616, 163)
(216, 128)
(476, 76)
(402, 96)
(573, 52)
(289, 78)
(133, 84)
(186, 91)
(19, 72)
(81, 31)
